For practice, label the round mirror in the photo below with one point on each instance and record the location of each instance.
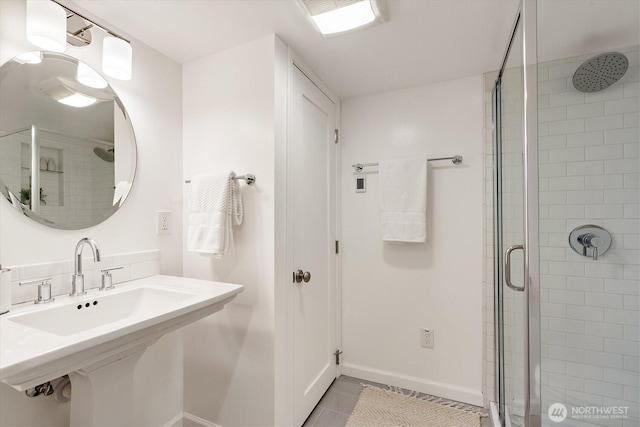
(67, 147)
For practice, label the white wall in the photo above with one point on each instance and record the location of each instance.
(390, 291)
(152, 99)
(229, 124)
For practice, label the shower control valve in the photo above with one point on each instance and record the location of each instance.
(590, 240)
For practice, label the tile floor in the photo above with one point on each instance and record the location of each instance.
(336, 405)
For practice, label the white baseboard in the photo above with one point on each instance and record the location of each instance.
(175, 421)
(448, 391)
(185, 418)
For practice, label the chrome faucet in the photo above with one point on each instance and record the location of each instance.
(77, 281)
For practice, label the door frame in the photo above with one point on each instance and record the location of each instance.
(285, 409)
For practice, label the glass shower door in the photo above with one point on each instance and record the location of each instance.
(509, 207)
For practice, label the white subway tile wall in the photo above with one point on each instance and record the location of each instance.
(136, 265)
(589, 164)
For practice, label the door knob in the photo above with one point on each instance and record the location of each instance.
(299, 276)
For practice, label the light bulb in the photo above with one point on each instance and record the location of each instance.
(116, 58)
(47, 25)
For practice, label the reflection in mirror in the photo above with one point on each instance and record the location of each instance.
(67, 149)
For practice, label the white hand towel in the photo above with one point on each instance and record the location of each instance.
(403, 200)
(214, 205)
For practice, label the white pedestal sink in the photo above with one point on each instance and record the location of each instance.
(98, 338)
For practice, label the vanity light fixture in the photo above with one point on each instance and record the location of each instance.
(47, 25)
(89, 77)
(333, 17)
(50, 25)
(116, 58)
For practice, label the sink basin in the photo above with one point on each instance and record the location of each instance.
(103, 310)
(42, 342)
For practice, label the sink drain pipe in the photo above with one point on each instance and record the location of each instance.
(61, 391)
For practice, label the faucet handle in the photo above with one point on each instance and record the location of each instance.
(107, 278)
(44, 289)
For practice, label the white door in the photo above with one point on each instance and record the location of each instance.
(313, 191)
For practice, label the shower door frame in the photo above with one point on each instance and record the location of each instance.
(527, 17)
(533, 392)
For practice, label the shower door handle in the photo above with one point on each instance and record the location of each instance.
(507, 267)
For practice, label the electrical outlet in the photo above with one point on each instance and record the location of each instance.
(163, 223)
(427, 338)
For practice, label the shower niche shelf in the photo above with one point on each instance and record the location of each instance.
(43, 170)
(51, 178)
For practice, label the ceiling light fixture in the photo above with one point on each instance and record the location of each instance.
(69, 93)
(34, 57)
(90, 77)
(47, 25)
(78, 100)
(62, 93)
(332, 17)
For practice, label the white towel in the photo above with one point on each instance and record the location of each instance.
(403, 200)
(214, 205)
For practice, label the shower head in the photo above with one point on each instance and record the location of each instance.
(600, 72)
(106, 155)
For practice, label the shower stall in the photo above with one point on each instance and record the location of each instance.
(563, 187)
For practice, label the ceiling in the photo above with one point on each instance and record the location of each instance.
(424, 41)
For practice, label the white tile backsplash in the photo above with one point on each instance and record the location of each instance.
(136, 265)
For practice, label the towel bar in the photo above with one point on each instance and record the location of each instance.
(249, 178)
(456, 160)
